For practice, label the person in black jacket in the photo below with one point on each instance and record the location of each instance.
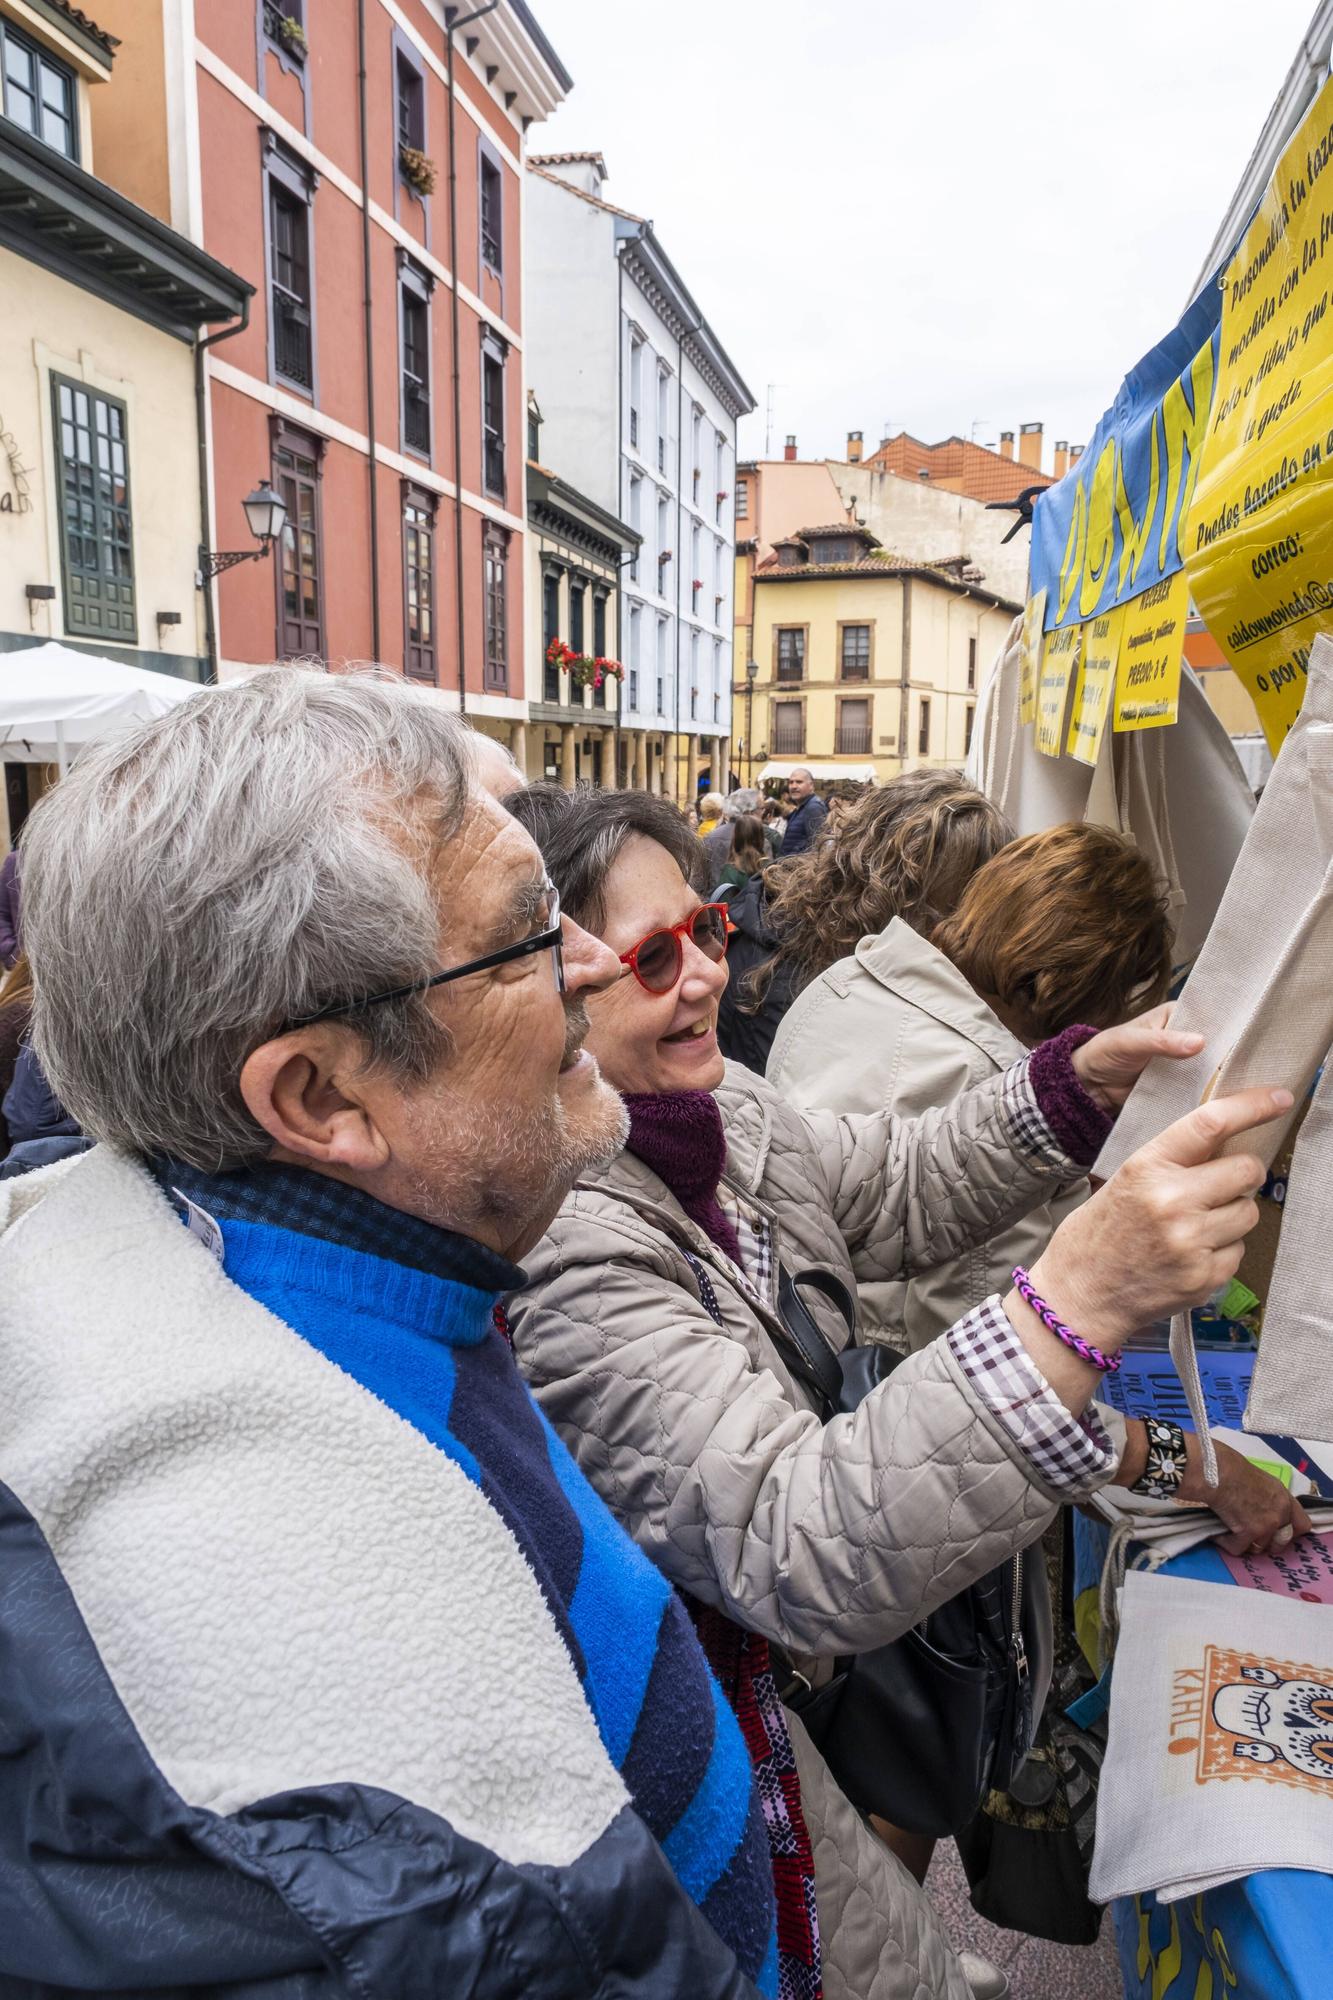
(39, 1127)
(745, 1036)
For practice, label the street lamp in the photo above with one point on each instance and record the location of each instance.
(266, 517)
(751, 671)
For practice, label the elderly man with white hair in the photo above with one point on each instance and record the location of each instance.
(325, 1672)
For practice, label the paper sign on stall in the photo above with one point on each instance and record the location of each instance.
(1152, 640)
(1092, 691)
(1058, 659)
(1034, 615)
(1258, 540)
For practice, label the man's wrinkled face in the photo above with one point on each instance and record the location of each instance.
(517, 1110)
(799, 787)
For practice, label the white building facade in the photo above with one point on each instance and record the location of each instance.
(640, 403)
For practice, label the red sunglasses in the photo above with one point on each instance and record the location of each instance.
(656, 960)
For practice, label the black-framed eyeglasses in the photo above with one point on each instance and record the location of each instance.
(551, 939)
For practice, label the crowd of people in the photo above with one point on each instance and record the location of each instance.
(530, 1288)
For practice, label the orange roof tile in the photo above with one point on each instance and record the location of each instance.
(981, 474)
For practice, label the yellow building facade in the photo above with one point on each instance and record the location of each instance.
(101, 511)
(860, 664)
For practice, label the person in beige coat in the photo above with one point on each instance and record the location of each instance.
(650, 1331)
(1062, 926)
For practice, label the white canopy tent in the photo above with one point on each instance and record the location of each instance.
(782, 767)
(54, 701)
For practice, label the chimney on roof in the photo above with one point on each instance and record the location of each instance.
(855, 440)
(789, 449)
(1029, 445)
(1075, 453)
(1006, 444)
(1061, 457)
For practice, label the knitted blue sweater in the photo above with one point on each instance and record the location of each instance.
(426, 1345)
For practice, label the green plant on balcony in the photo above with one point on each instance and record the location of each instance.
(292, 36)
(418, 170)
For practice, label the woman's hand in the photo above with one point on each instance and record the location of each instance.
(1111, 1064)
(1164, 1233)
(1263, 1517)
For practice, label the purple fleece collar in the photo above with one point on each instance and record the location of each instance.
(678, 1133)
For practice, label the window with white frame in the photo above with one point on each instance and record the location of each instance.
(663, 635)
(663, 542)
(635, 641)
(635, 519)
(663, 414)
(635, 387)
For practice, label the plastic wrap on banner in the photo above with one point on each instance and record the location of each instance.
(1034, 617)
(1258, 538)
(1058, 659)
(1112, 527)
(1092, 691)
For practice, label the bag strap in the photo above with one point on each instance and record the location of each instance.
(803, 1346)
(818, 1362)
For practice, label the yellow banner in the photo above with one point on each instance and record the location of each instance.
(1034, 615)
(1057, 665)
(1258, 539)
(1092, 691)
(1152, 641)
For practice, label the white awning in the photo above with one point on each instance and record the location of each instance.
(53, 701)
(782, 767)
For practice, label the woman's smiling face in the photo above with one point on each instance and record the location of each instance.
(653, 1042)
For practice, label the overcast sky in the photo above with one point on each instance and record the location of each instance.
(939, 215)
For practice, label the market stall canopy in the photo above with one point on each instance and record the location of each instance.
(54, 701)
(783, 768)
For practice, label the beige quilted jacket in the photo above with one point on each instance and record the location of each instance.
(896, 1027)
(826, 1538)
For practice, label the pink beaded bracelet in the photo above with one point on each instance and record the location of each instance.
(1023, 1285)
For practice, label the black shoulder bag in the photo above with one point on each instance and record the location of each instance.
(920, 1730)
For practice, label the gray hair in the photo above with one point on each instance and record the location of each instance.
(256, 855)
(581, 835)
(742, 802)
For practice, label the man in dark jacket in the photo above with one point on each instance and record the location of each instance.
(804, 824)
(10, 935)
(325, 1669)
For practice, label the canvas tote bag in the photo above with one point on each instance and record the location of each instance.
(1292, 1391)
(1219, 1760)
(1261, 993)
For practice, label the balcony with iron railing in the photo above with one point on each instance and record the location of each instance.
(291, 338)
(788, 739)
(852, 739)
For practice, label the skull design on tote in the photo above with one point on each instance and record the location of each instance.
(1256, 1718)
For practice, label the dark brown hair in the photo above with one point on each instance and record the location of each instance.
(1063, 926)
(749, 848)
(581, 834)
(906, 849)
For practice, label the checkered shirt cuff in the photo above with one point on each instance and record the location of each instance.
(1069, 1454)
(1029, 1131)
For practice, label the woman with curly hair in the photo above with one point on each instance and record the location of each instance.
(907, 849)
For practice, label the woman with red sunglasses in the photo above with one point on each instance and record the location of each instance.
(656, 1332)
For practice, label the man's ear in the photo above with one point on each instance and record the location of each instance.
(304, 1089)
